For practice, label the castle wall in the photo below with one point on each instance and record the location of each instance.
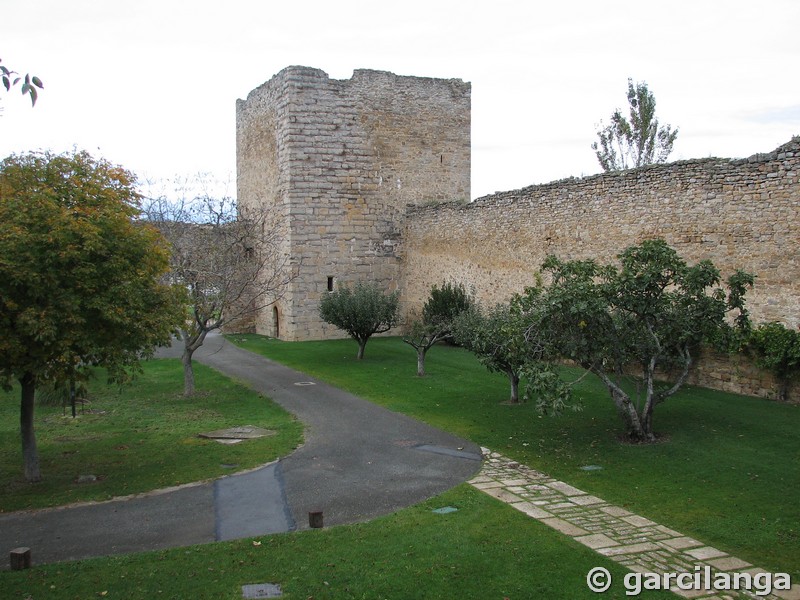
(738, 213)
(369, 178)
(342, 160)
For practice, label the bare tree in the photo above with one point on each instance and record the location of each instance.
(230, 260)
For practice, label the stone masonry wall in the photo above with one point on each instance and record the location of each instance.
(738, 213)
(342, 160)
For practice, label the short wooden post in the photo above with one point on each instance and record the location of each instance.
(20, 559)
(315, 519)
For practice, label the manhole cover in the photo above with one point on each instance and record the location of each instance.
(261, 590)
(444, 510)
(305, 383)
(234, 435)
(591, 468)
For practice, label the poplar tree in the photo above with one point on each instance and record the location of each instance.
(638, 140)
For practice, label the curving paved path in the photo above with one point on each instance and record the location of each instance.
(359, 461)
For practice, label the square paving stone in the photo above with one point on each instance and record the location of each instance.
(512, 482)
(503, 494)
(596, 541)
(628, 549)
(689, 593)
(681, 543)
(638, 521)
(729, 563)
(564, 527)
(487, 485)
(565, 488)
(616, 511)
(706, 552)
(792, 593)
(479, 479)
(586, 500)
(531, 510)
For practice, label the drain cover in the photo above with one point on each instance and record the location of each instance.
(262, 590)
(591, 468)
(444, 510)
(235, 435)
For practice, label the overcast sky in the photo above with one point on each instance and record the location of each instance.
(152, 84)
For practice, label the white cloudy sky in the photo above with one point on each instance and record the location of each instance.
(152, 84)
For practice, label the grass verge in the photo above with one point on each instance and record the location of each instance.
(139, 437)
(725, 471)
(484, 551)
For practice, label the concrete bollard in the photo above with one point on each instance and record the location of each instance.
(20, 559)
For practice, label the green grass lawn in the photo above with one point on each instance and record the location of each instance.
(725, 472)
(139, 437)
(484, 551)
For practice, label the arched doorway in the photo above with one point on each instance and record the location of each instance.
(276, 322)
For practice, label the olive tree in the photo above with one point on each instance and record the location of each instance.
(361, 311)
(646, 317)
(441, 308)
(79, 277)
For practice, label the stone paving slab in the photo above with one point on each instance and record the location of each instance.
(641, 545)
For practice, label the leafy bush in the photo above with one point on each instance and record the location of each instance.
(361, 311)
(777, 349)
(444, 304)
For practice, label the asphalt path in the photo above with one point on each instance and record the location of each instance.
(359, 461)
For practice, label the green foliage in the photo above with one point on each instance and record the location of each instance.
(638, 141)
(438, 314)
(777, 349)
(30, 83)
(553, 395)
(445, 303)
(497, 338)
(361, 312)
(744, 505)
(79, 276)
(422, 337)
(647, 316)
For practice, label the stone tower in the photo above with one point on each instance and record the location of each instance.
(340, 161)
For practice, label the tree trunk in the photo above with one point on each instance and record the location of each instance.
(361, 345)
(783, 389)
(635, 429)
(513, 379)
(191, 342)
(421, 361)
(30, 455)
(188, 372)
